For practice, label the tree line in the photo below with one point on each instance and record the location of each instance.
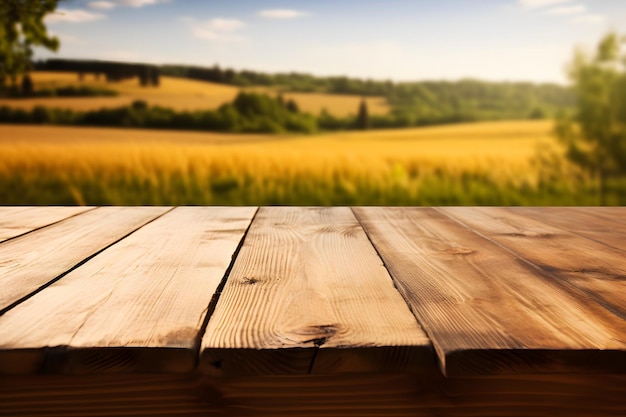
(248, 113)
(417, 102)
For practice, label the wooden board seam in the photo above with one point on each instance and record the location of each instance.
(82, 262)
(574, 232)
(218, 292)
(440, 356)
(46, 225)
(541, 271)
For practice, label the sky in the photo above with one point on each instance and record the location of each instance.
(399, 40)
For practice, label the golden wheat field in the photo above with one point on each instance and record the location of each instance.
(180, 94)
(483, 163)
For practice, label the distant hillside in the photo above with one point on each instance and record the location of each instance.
(411, 103)
(414, 102)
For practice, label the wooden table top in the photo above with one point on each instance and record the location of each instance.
(236, 291)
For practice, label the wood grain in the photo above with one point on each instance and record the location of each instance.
(31, 261)
(15, 221)
(346, 395)
(308, 285)
(485, 311)
(596, 272)
(137, 306)
(583, 222)
(615, 214)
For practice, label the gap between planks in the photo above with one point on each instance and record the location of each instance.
(33, 261)
(484, 312)
(309, 294)
(105, 316)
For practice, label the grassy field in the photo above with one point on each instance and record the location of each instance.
(179, 94)
(477, 164)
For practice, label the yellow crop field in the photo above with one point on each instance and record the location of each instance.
(179, 94)
(485, 163)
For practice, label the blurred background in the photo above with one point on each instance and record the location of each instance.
(396, 102)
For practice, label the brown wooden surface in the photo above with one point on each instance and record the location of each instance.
(586, 223)
(15, 221)
(329, 395)
(307, 281)
(595, 271)
(485, 311)
(139, 305)
(33, 260)
(289, 311)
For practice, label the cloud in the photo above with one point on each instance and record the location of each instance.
(68, 39)
(102, 5)
(218, 29)
(73, 16)
(282, 14)
(111, 4)
(590, 19)
(567, 10)
(536, 4)
(139, 3)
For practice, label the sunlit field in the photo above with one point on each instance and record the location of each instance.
(476, 164)
(179, 94)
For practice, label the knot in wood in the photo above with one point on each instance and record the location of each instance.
(316, 334)
(250, 280)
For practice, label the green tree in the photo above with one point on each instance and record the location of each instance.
(595, 136)
(27, 85)
(21, 28)
(292, 106)
(362, 118)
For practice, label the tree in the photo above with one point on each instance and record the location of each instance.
(292, 106)
(27, 85)
(21, 28)
(362, 119)
(155, 77)
(595, 136)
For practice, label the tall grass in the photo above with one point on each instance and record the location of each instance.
(482, 164)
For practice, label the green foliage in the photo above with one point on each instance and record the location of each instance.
(292, 106)
(362, 118)
(69, 91)
(595, 136)
(140, 105)
(21, 28)
(27, 85)
(249, 113)
(413, 103)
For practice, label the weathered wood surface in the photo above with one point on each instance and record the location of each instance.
(586, 223)
(31, 261)
(485, 311)
(306, 281)
(595, 271)
(138, 306)
(15, 221)
(312, 311)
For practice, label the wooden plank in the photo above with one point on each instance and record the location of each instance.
(347, 395)
(138, 306)
(106, 395)
(31, 261)
(15, 221)
(597, 270)
(615, 214)
(584, 222)
(307, 285)
(485, 311)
